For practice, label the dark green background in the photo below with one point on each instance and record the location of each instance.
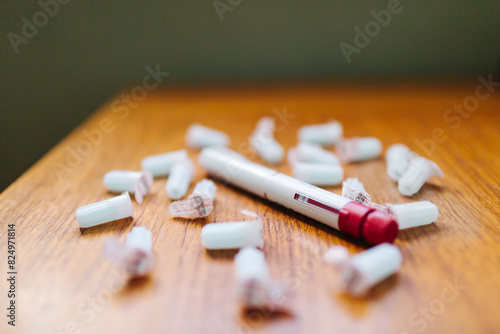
(92, 49)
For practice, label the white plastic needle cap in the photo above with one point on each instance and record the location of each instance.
(307, 152)
(419, 171)
(199, 136)
(135, 255)
(366, 269)
(360, 272)
(206, 187)
(256, 289)
(160, 164)
(397, 157)
(138, 183)
(140, 238)
(414, 214)
(323, 134)
(359, 149)
(250, 264)
(269, 150)
(292, 157)
(179, 179)
(336, 256)
(115, 208)
(232, 235)
(262, 140)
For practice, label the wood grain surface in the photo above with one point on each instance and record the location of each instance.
(449, 281)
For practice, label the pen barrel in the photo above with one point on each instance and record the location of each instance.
(287, 191)
(331, 209)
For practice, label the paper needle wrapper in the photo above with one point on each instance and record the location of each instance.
(199, 204)
(135, 256)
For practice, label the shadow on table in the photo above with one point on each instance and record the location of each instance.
(418, 232)
(423, 193)
(358, 306)
(253, 319)
(115, 227)
(223, 254)
(137, 283)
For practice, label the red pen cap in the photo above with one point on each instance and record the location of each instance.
(374, 227)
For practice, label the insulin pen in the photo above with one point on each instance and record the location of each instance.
(343, 214)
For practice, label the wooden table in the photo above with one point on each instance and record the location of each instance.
(449, 281)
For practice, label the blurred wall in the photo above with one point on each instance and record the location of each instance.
(89, 50)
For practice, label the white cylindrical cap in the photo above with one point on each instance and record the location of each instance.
(232, 235)
(250, 265)
(397, 157)
(336, 256)
(292, 157)
(206, 187)
(140, 238)
(269, 150)
(307, 152)
(263, 142)
(135, 255)
(359, 149)
(160, 164)
(318, 174)
(419, 171)
(199, 136)
(138, 183)
(265, 124)
(121, 180)
(105, 211)
(323, 134)
(179, 179)
(414, 214)
(364, 270)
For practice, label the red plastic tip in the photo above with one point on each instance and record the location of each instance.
(374, 227)
(379, 227)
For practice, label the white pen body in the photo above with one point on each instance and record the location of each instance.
(274, 186)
